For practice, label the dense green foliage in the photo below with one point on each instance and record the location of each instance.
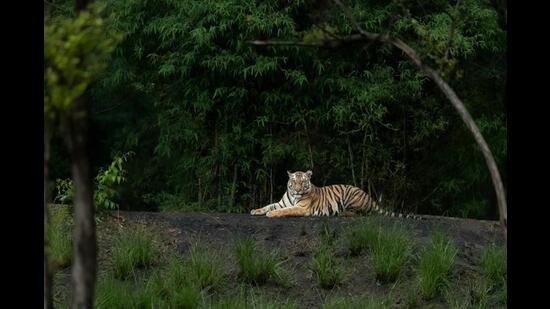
(76, 51)
(215, 122)
(106, 185)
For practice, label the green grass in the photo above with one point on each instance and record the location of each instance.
(358, 303)
(390, 253)
(326, 270)
(250, 298)
(257, 265)
(411, 299)
(362, 237)
(493, 265)
(327, 234)
(390, 248)
(113, 293)
(479, 292)
(435, 265)
(133, 248)
(59, 236)
(183, 282)
(488, 288)
(175, 285)
(244, 296)
(204, 267)
(471, 293)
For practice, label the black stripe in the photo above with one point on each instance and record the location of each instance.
(340, 207)
(370, 203)
(367, 206)
(351, 193)
(329, 191)
(354, 194)
(285, 203)
(346, 195)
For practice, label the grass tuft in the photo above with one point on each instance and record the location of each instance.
(472, 293)
(112, 293)
(328, 273)
(390, 248)
(390, 253)
(327, 234)
(204, 267)
(59, 238)
(257, 265)
(493, 265)
(358, 303)
(436, 262)
(175, 285)
(132, 249)
(250, 298)
(362, 237)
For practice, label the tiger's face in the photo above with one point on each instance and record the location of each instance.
(299, 182)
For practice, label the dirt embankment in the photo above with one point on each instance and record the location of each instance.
(297, 238)
(221, 229)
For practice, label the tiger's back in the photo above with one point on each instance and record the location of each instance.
(338, 199)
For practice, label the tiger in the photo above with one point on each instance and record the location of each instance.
(302, 198)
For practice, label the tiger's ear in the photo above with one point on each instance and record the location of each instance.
(309, 173)
(289, 173)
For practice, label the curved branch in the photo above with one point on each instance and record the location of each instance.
(457, 104)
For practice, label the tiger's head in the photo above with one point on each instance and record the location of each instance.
(299, 183)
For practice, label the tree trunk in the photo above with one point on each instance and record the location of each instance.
(84, 237)
(48, 286)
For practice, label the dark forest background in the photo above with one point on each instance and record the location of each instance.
(214, 123)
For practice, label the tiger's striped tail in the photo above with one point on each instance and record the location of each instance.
(379, 210)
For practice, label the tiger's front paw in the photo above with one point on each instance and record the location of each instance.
(269, 214)
(256, 212)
